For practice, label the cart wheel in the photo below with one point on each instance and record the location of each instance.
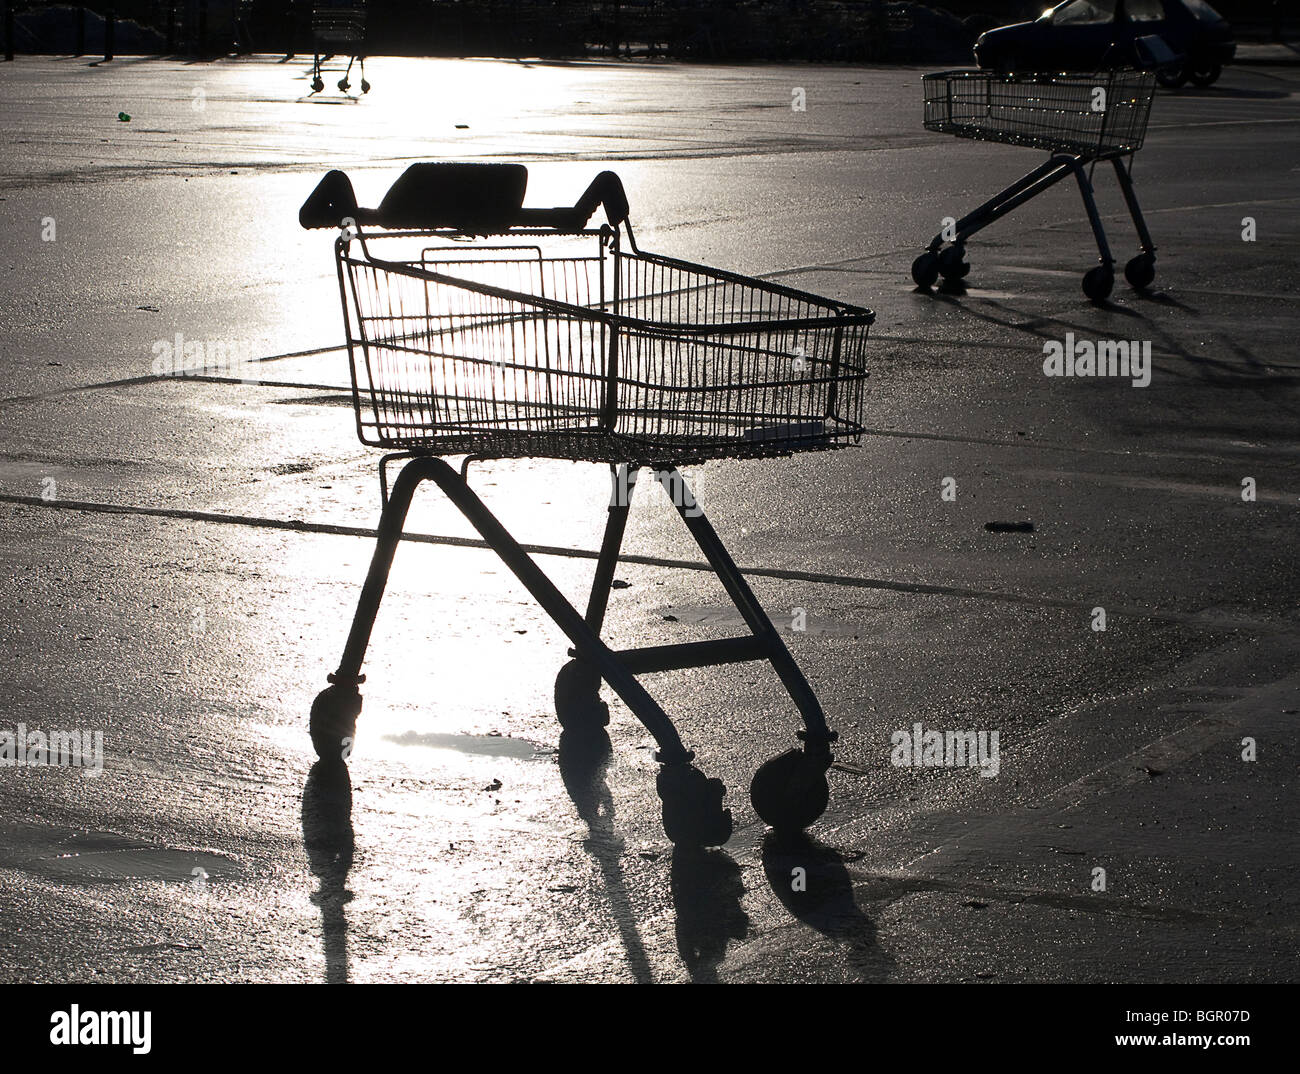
(1098, 283)
(790, 791)
(578, 706)
(317, 85)
(925, 270)
(1173, 76)
(334, 722)
(344, 85)
(692, 806)
(365, 86)
(1140, 271)
(953, 264)
(1206, 76)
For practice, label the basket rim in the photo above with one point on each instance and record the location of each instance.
(645, 450)
(1132, 74)
(844, 315)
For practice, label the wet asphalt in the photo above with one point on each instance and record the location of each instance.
(182, 555)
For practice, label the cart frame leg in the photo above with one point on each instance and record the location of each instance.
(764, 642)
(1027, 186)
(1134, 209)
(623, 482)
(397, 504)
(585, 640)
(1042, 178)
(790, 791)
(1094, 217)
(817, 735)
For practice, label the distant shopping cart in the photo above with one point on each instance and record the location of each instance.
(479, 328)
(338, 28)
(1079, 119)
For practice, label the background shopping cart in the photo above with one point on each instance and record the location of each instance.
(338, 27)
(567, 341)
(1079, 119)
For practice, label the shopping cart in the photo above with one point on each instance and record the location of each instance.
(1079, 119)
(562, 340)
(338, 27)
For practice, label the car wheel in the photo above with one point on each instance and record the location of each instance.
(1206, 76)
(1173, 76)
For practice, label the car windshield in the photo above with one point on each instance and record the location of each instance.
(1082, 11)
(1145, 10)
(1202, 10)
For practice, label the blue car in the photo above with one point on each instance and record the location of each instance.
(1087, 35)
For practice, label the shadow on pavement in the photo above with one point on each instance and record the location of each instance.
(707, 889)
(706, 884)
(812, 883)
(328, 839)
(584, 759)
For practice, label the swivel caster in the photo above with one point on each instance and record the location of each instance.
(334, 722)
(317, 85)
(953, 265)
(344, 85)
(1140, 271)
(365, 86)
(578, 705)
(1099, 282)
(925, 269)
(790, 791)
(692, 806)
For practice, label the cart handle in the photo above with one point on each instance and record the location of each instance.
(480, 199)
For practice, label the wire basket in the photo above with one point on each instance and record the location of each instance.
(592, 352)
(1093, 116)
(339, 23)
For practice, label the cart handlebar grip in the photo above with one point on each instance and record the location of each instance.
(332, 202)
(477, 198)
(607, 190)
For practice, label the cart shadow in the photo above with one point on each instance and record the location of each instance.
(328, 839)
(1243, 369)
(1119, 309)
(1049, 327)
(584, 759)
(707, 890)
(1162, 298)
(706, 885)
(810, 880)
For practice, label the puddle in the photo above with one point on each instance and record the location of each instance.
(34, 474)
(477, 745)
(143, 864)
(64, 855)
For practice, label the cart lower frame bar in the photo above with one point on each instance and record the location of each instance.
(1042, 178)
(618, 668)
